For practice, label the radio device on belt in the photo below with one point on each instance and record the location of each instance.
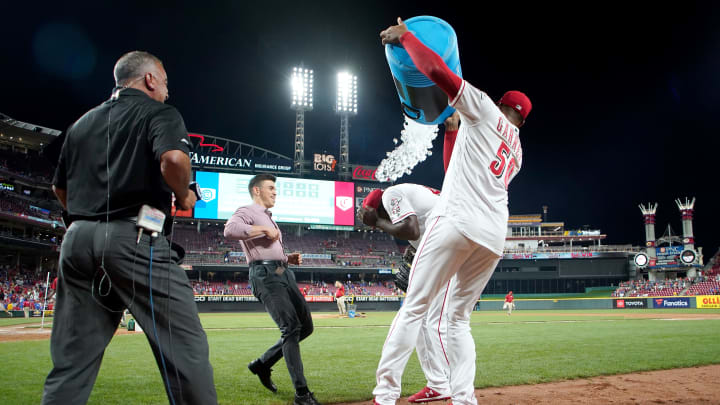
(150, 219)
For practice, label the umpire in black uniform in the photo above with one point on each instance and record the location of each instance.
(130, 151)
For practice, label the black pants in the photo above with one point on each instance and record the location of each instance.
(88, 311)
(277, 290)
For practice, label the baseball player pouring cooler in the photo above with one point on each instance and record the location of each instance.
(466, 232)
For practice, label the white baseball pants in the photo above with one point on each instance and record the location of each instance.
(431, 343)
(444, 252)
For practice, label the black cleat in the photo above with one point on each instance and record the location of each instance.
(263, 373)
(307, 399)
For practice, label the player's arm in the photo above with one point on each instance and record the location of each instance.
(169, 141)
(426, 60)
(59, 183)
(407, 229)
(175, 169)
(61, 195)
(452, 124)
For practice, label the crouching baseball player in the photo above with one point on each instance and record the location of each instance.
(401, 211)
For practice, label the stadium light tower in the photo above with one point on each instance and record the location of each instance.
(302, 100)
(346, 106)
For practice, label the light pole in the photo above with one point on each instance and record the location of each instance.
(346, 106)
(302, 100)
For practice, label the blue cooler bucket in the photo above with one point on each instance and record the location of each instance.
(420, 98)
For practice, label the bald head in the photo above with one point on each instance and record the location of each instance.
(142, 71)
(133, 65)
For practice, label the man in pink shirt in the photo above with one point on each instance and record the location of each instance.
(273, 283)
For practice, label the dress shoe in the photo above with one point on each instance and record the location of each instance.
(263, 373)
(307, 399)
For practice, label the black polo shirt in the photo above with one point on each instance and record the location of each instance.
(140, 130)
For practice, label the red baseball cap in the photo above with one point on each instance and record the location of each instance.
(373, 199)
(518, 101)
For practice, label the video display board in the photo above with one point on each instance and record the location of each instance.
(298, 200)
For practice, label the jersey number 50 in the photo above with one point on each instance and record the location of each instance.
(502, 168)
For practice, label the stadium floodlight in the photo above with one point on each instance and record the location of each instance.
(302, 88)
(346, 93)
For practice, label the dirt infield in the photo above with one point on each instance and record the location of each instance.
(678, 386)
(32, 331)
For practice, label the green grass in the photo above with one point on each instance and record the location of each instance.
(341, 356)
(19, 320)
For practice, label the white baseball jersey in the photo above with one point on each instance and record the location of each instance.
(486, 157)
(403, 200)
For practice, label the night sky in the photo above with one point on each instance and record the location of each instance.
(626, 99)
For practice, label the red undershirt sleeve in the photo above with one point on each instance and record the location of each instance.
(448, 145)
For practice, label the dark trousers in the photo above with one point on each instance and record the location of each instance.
(277, 290)
(88, 311)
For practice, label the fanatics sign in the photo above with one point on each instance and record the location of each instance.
(675, 302)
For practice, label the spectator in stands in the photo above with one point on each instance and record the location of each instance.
(2, 303)
(273, 283)
(340, 298)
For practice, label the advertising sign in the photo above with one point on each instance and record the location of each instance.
(220, 161)
(298, 200)
(707, 301)
(364, 173)
(324, 162)
(667, 255)
(629, 303)
(557, 255)
(674, 302)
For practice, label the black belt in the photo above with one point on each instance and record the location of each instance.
(276, 263)
(125, 218)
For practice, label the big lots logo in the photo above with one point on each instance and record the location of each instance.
(324, 163)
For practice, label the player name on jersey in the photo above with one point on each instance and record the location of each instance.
(508, 132)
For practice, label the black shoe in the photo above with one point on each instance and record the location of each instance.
(259, 369)
(307, 399)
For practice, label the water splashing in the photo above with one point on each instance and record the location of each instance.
(415, 147)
